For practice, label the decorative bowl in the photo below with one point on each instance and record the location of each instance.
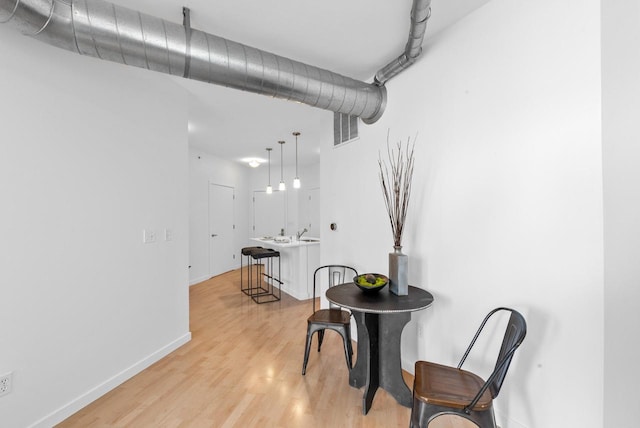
(370, 282)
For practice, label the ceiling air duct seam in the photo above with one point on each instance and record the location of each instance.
(107, 31)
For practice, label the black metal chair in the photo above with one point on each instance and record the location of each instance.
(333, 318)
(440, 389)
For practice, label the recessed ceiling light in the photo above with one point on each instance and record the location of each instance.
(254, 163)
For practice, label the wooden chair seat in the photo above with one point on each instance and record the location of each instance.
(440, 390)
(330, 316)
(449, 386)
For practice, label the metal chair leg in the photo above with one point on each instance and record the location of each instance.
(347, 348)
(306, 351)
(320, 338)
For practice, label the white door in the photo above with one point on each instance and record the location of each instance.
(221, 229)
(269, 213)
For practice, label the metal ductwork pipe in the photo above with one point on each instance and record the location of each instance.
(103, 30)
(420, 13)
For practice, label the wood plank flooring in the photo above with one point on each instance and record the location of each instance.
(242, 368)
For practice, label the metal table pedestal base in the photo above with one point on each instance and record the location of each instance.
(378, 364)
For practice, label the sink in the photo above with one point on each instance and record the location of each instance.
(309, 240)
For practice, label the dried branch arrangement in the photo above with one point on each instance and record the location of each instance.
(395, 179)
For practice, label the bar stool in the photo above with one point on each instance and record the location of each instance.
(247, 252)
(266, 293)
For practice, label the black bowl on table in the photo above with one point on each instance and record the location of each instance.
(370, 282)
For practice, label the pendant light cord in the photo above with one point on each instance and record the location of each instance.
(296, 134)
(282, 186)
(296, 180)
(269, 165)
(281, 162)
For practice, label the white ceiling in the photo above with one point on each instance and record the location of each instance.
(350, 37)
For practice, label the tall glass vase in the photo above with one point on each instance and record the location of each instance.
(398, 272)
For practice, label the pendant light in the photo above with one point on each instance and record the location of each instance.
(281, 186)
(296, 181)
(269, 188)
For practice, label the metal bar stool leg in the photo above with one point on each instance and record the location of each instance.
(272, 283)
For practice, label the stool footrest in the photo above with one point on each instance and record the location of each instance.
(272, 278)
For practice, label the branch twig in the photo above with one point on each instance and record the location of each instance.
(395, 180)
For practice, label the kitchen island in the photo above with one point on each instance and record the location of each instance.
(299, 259)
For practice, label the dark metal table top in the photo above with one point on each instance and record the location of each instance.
(351, 297)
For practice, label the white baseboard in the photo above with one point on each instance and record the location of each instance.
(199, 280)
(295, 294)
(93, 394)
(407, 365)
(207, 277)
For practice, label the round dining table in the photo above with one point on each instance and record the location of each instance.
(380, 318)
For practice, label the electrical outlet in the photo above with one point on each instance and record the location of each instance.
(420, 330)
(168, 235)
(5, 383)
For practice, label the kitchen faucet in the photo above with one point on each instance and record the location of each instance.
(299, 234)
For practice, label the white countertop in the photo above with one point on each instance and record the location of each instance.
(287, 241)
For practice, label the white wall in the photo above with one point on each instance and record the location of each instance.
(309, 175)
(309, 178)
(507, 199)
(309, 210)
(91, 153)
(621, 153)
(204, 169)
(296, 205)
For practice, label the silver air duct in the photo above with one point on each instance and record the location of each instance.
(103, 30)
(420, 13)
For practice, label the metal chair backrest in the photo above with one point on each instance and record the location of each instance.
(335, 274)
(514, 334)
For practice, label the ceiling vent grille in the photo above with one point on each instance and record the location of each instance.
(345, 128)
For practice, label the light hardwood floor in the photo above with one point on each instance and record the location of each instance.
(242, 368)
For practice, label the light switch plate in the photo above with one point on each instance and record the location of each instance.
(148, 236)
(5, 383)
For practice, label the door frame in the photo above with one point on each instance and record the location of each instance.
(233, 220)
